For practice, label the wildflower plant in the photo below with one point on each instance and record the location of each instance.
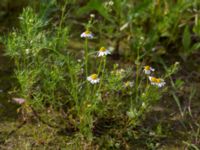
(49, 76)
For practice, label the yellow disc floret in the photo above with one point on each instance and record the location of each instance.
(158, 80)
(153, 79)
(102, 49)
(87, 32)
(147, 67)
(94, 76)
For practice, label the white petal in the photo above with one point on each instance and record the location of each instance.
(90, 36)
(152, 69)
(153, 83)
(150, 77)
(107, 52)
(147, 72)
(95, 81)
(83, 35)
(100, 54)
(161, 84)
(89, 79)
(103, 53)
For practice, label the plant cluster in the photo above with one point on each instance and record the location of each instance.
(76, 89)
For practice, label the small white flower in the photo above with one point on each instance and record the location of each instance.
(144, 105)
(92, 15)
(87, 34)
(79, 60)
(148, 70)
(157, 81)
(110, 3)
(153, 49)
(93, 79)
(103, 52)
(27, 51)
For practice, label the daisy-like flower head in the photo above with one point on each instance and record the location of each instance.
(157, 81)
(93, 79)
(87, 34)
(148, 70)
(103, 52)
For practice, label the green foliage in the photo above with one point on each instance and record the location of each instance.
(186, 38)
(94, 5)
(52, 76)
(46, 73)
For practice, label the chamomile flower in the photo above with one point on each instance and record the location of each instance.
(157, 81)
(87, 34)
(148, 70)
(93, 79)
(103, 52)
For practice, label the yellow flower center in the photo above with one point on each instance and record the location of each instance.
(102, 49)
(147, 67)
(156, 80)
(94, 76)
(87, 32)
(153, 79)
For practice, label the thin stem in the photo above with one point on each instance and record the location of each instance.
(98, 74)
(100, 66)
(137, 74)
(103, 72)
(147, 82)
(86, 57)
(86, 65)
(176, 98)
(62, 17)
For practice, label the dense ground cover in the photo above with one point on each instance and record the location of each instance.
(70, 94)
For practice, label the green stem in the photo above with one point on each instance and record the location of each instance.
(147, 82)
(86, 65)
(98, 74)
(62, 18)
(86, 57)
(59, 31)
(103, 72)
(100, 66)
(137, 74)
